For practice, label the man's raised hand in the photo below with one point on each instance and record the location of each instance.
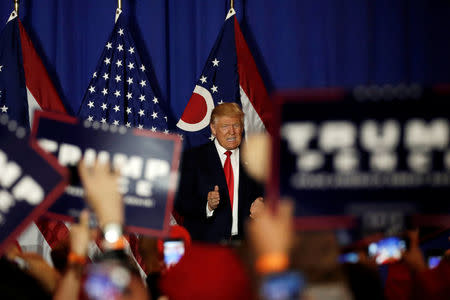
(213, 198)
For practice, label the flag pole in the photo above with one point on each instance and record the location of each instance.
(231, 3)
(16, 6)
(118, 10)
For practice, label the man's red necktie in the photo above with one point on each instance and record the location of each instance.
(228, 169)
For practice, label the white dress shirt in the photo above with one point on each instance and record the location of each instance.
(234, 157)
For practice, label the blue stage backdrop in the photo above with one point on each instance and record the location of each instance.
(296, 43)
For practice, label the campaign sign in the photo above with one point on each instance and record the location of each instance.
(30, 181)
(148, 162)
(345, 160)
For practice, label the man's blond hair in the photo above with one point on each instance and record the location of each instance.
(229, 110)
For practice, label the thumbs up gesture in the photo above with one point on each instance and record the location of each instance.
(213, 198)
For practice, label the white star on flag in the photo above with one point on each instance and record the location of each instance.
(4, 108)
(203, 79)
(120, 47)
(91, 104)
(116, 108)
(215, 62)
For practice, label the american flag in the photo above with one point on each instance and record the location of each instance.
(229, 75)
(120, 92)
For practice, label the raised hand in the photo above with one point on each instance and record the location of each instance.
(213, 198)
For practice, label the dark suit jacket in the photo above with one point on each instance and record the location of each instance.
(201, 170)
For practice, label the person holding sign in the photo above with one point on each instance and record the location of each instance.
(215, 192)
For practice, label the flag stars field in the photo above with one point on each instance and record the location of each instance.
(125, 82)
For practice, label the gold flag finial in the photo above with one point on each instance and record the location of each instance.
(16, 6)
(119, 4)
(231, 3)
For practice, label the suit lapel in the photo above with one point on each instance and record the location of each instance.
(216, 171)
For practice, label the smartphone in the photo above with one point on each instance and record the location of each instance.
(434, 257)
(387, 250)
(349, 257)
(173, 251)
(106, 281)
(282, 286)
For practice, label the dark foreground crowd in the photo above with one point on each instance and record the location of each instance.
(273, 262)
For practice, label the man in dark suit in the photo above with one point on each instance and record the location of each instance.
(215, 193)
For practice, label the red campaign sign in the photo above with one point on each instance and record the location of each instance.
(30, 181)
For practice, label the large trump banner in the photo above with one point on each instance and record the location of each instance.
(148, 162)
(346, 160)
(30, 180)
